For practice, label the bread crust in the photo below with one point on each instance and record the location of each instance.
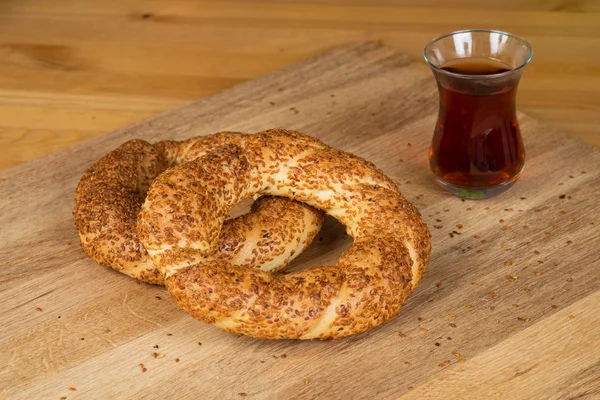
(365, 288)
(112, 191)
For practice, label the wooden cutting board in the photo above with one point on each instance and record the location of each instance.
(509, 306)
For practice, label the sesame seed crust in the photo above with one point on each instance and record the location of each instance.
(112, 191)
(365, 288)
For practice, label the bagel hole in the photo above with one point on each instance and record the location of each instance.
(325, 249)
(241, 208)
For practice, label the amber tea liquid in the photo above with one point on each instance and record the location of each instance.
(477, 142)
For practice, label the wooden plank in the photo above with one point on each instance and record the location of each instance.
(69, 323)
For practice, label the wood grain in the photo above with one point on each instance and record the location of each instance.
(509, 304)
(73, 70)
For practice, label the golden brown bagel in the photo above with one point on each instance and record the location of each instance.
(365, 288)
(110, 195)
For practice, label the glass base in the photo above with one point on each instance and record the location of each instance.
(476, 193)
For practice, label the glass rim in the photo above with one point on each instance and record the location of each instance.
(469, 76)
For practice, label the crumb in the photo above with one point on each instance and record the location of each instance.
(199, 343)
(423, 330)
(527, 290)
(158, 297)
(38, 309)
(283, 355)
(243, 394)
(562, 196)
(306, 381)
(461, 360)
(155, 346)
(177, 360)
(452, 315)
(72, 389)
(569, 242)
(538, 273)
(107, 331)
(169, 334)
(410, 388)
(515, 305)
(459, 226)
(571, 316)
(511, 277)
(554, 306)
(523, 319)
(157, 355)
(439, 285)
(469, 305)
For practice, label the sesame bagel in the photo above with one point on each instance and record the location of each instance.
(365, 288)
(110, 195)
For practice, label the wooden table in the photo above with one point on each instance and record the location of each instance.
(509, 305)
(71, 70)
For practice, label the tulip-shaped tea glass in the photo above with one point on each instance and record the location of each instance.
(477, 150)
